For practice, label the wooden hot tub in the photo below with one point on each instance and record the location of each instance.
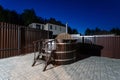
(65, 53)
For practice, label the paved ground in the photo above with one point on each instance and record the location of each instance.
(93, 68)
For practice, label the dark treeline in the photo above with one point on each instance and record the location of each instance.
(72, 31)
(27, 17)
(98, 31)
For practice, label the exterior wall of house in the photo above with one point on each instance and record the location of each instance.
(46, 27)
(56, 29)
(37, 26)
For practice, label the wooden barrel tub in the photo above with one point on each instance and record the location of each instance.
(65, 53)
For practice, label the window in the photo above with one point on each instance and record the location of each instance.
(50, 26)
(38, 26)
(60, 28)
(55, 27)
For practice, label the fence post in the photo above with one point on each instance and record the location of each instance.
(82, 39)
(19, 41)
(94, 39)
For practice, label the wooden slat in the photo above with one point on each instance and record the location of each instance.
(7, 38)
(0, 41)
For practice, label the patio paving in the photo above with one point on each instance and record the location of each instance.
(92, 68)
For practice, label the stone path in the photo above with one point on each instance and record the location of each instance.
(93, 68)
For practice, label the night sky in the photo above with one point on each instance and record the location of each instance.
(79, 14)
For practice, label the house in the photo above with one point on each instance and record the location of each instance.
(56, 29)
(37, 26)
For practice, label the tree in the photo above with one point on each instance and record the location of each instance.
(97, 29)
(13, 17)
(9, 16)
(69, 30)
(29, 16)
(74, 31)
(88, 31)
(1, 14)
(115, 31)
(40, 20)
(54, 21)
(6, 16)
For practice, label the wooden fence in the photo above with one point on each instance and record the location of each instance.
(111, 44)
(17, 40)
(8, 40)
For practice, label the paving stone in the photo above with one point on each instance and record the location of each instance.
(92, 68)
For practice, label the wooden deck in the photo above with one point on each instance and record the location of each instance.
(92, 68)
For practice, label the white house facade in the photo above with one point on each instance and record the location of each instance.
(56, 29)
(37, 26)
